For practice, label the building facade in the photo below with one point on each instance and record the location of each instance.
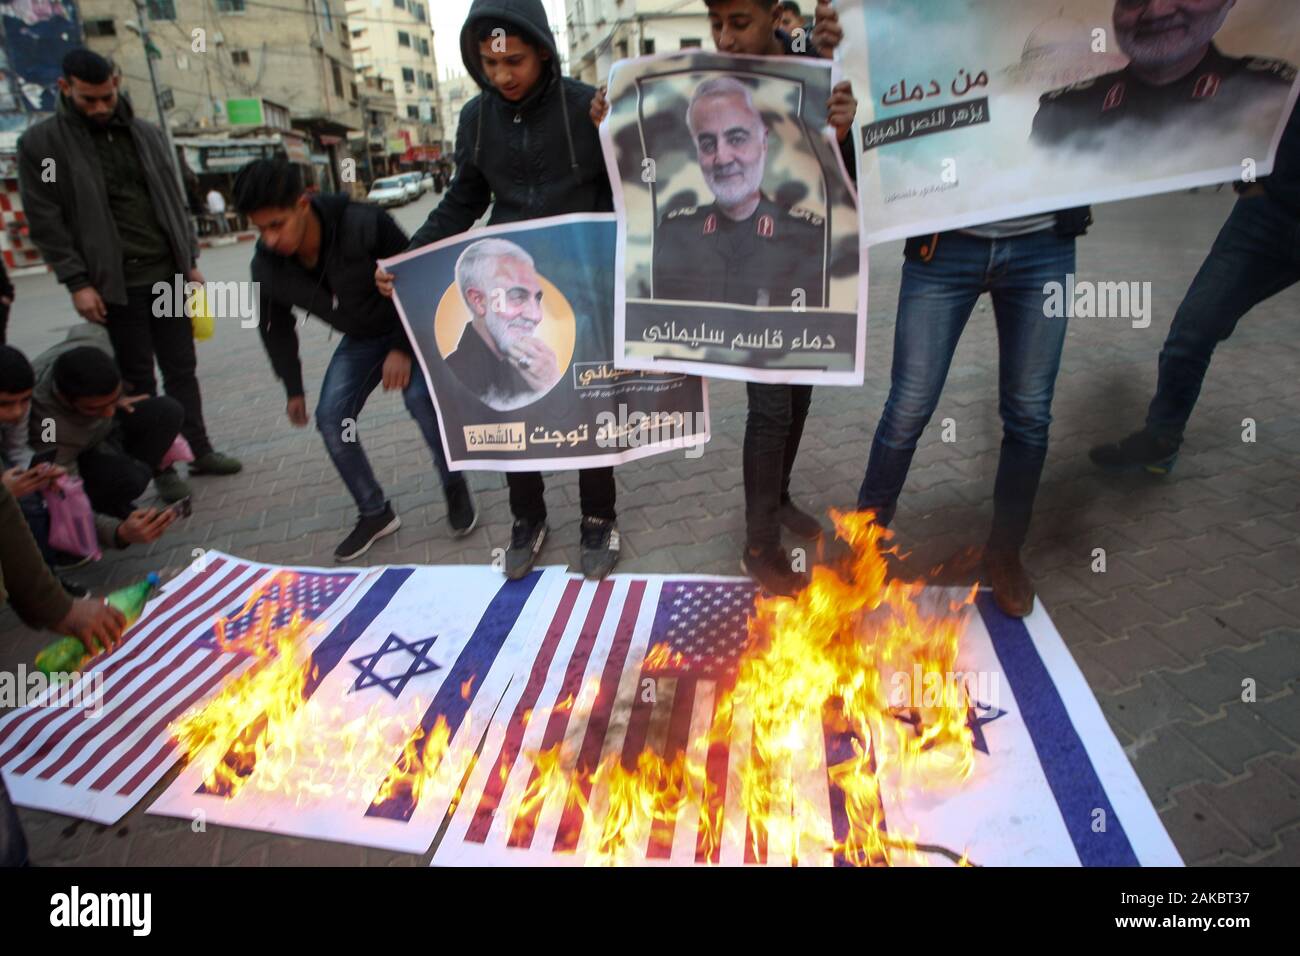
(217, 61)
(601, 32)
(455, 90)
(393, 40)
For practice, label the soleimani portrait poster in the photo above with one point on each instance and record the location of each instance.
(513, 327)
(738, 251)
(975, 111)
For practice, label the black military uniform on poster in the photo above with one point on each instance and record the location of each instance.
(1219, 90)
(741, 260)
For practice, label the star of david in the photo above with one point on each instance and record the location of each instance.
(977, 715)
(395, 683)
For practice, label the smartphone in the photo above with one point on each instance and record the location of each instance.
(183, 508)
(44, 457)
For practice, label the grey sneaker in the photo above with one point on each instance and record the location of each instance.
(215, 463)
(600, 547)
(526, 540)
(171, 486)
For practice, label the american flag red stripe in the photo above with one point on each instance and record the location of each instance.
(514, 737)
(558, 721)
(163, 655)
(168, 663)
(115, 666)
(593, 741)
(660, 656)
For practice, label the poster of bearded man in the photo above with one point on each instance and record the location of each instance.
(738, 252)
(513, 329)
(972, 111)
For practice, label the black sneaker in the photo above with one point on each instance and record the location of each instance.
(798, 522)
(769, 566)
(366, 533)
(600, 546)
(461, 513)
(1141, 451)
(74, 590)
(526, 540)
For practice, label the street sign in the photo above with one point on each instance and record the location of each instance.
(244, 112)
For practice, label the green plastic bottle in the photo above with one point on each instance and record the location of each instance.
(68, 654)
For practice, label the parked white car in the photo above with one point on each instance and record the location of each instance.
(412, 183)
(390, 191)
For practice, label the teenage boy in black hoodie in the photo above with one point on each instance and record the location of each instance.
(774, 426)
(319, 253)
(526, 148)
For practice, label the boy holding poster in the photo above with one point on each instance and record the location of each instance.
(777, 413)
(525, 148)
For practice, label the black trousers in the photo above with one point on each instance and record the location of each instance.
(117, 471)
(595, 492)
(773, 430)
(139, 338)
(4, 323)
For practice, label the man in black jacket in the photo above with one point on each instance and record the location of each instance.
(105, 208)
(525, 147)
(319, 254)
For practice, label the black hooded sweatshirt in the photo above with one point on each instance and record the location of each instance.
(539, 157)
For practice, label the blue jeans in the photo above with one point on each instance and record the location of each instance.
(355, 370)
(1256, 256)
(935, 302)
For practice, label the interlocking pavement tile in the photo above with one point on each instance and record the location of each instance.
(1166, 761)
(1235, 738)
(1259, 804)
(1129, 658)
(1199, 832)
(1148, 707)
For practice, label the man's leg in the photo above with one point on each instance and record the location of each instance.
(355, 370)
(150, 428)
(130, 329)
(934, 304)
(528, 534)
(1253, 259)
(527, 495)
(113, 479)
(461, 514)
(596, 492)
(600, 542)
(1029, 358)
(173, 342)
(767, 433)
(1255, 256)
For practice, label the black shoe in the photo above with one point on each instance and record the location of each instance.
(73, 589)
(600, 546)
(769, 566)
(461, 513)
(1141, 451)
(798, 522)
(526, 540)
(366, 533)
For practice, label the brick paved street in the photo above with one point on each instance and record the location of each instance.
(1201, 589)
